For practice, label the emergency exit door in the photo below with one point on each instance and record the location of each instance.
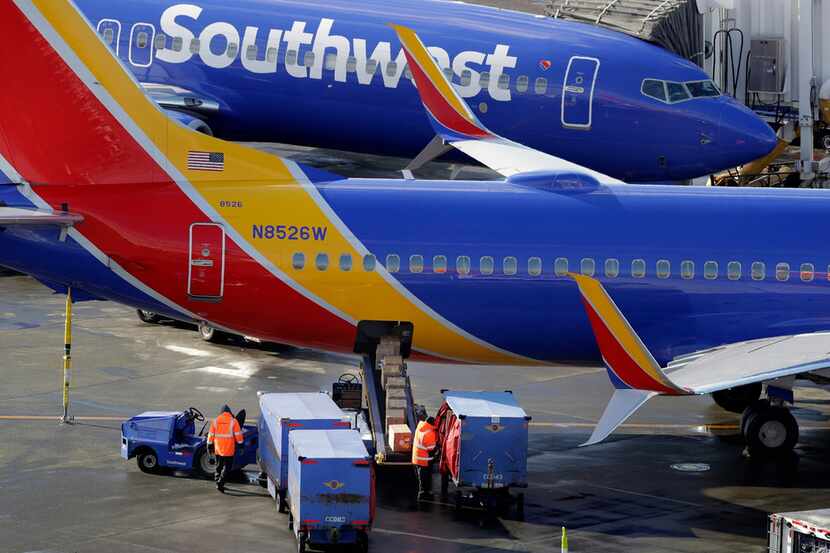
(578, 92)
(206, 270)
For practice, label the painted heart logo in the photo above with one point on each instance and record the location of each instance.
(334, 484)
(545, 64)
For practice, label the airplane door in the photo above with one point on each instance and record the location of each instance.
(206, 270)
(142, 36)
(578, 92)
(110, 31)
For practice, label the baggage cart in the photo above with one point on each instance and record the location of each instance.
(483, 438)
(331, 491)
(281, 414)
(800, 532)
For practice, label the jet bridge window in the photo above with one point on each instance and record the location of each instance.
(663, 268)
(298, 261)
(782, 272)
(393, 263)
(687, 269)
(560, 266)
(758, 271)
(587, 266)
(369, 262)
(462, 265)
(710, 270)
(522, 83)
(540, 86)
(677, 92)
(439, 264)
(733, 270)
(638, 268)
(416, 263)
(654, 89)
(534, 266)
(322, 261)
(345, 262)
(612, 268)
(486, 265)
(807, 272)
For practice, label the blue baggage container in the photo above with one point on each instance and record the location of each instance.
(331, 492)
(484, 445)
(282, 413)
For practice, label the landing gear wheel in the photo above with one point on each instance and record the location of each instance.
(825, 141)
(148, 462)
(771, 432)
(737, 399)
(205, 464)
(149, 317)
(210, 334)
(301, 542)
(754, 408)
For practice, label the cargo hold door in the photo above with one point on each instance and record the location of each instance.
(206, 269)
(578, 92)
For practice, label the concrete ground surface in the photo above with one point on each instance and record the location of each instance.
(65, 488)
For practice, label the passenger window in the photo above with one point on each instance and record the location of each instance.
(560, 266)
(407, 74)
(233, 48)
(687, 270)
(291, 57)
(587, 266)
(710, 270)
(308, 59)
(638, 268)
(298, 260)
(393, 263)
(391, 68)
(782, 272)
(371, 66)
(510, 265)
(160, 42)
(484, 79)
(466, 77)
(271, 55)
(351, 64)
(345, 262)
(663, 268)
(807, 272)
(654, 89)
(534, 266)
(462, 265)
(369, 262)
(733, 270)
(416, 263)
(486, 265)
(439, 264)
(540, 86)
(758, 271)
(108, 36)
(677, 92)
(330, 61)
(194, 46)
(612, 268)
(448, 73)
(250, 52)
(178, 43)
(522, 83)
(141, 39)
(322, 261)
(504, 81)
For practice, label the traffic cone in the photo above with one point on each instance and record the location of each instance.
(564, 540)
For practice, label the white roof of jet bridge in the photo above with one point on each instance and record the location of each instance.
(328, 444)
(484, 404)
(299, 406)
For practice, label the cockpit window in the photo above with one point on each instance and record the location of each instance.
(702, 89)
(677, 92)
(654, 89)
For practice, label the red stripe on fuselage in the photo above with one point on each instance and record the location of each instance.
(618, 359)
(439, 107)
(74, 152)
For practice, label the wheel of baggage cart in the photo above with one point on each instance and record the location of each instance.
(149, 317)
(210, 334)
(301, 542)
(148, 462)
(204, 464)
(771, 432)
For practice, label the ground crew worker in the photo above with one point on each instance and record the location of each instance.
(223, 436)
(423, 449)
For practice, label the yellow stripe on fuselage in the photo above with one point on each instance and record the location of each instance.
(269, 195)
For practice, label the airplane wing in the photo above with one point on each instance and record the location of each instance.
(456, 124)
(174, 97)
(25, 216)
(637, 377)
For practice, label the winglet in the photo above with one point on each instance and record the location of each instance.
(623, 404)
(449, 114)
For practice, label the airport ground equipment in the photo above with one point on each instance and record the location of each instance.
(331, 490)
(168, 440)
(800, 532)
(282, 414)
(483, 438)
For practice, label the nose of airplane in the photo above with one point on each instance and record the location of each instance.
(743, 136)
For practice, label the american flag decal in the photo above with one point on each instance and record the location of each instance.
(205, 161)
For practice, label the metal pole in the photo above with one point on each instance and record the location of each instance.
(67, 358)
(806, 79)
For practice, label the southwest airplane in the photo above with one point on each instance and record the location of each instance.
(332, 74)
(677, 291)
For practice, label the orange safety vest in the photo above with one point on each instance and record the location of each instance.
(225, 434)
(423, 444)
